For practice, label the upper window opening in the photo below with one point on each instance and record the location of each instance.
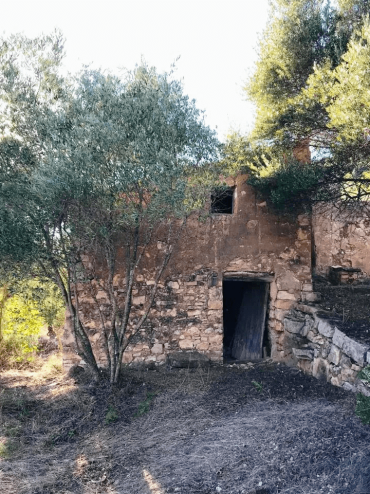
(222, 200)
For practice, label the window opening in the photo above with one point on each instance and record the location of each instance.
(222, 200)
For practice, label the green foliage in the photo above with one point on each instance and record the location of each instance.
(363, 402)
(90, 163)
(257, 385)
(8, 447)
(310, 87)
(363, 408)
(144, 406)
(300, 35)
(291, 186)
(26, 306)
(111, 415)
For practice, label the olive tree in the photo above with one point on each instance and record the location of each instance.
(90, 165)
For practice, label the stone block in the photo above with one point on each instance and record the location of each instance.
(215, 293)
(288, 281)
(349, 387)
(280, 314)
(187, 360)
(294, 326)
(305, 366)
(325, 328)
(157, 348)
(348, 374)
(310, 296)
(216, 339)
(285, 295)
(277, 325)
(334, 355)
(303, 353)
(355, 350)
(192, 331)
(186, 344)
(345, 361)
(336, 381)
(361, 388)
(202, 346)
(174, 285)
(352, 348)
(284, 304)
(303, 220)
(320, 368)
(214, 304)
(194, 313)
(338, 337)
(307, 287)
(273, 290)
(303, 234)
(138, 300)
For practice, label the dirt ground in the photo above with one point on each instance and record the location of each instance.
(349, 308)
(255, 429)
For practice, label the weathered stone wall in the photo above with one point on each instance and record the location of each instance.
(188, 311)
(320, 349)
(340, 240)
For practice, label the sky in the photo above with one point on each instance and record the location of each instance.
(216, 41)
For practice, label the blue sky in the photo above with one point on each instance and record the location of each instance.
(216, 41)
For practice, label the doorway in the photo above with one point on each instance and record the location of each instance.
(245, 308)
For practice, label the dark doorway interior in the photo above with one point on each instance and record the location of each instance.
(245, 308)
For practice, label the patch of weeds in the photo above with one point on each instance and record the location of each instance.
(71, 434)
(257, 385)
(111, 415)
(363, 408)
(145, 405)
(8, 448)
(12, 431)
(363, 402)
(52, 439)
(24, 413)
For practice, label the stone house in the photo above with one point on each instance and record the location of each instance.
(227, 289)
(239, 287)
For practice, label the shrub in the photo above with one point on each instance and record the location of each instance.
(363, 402)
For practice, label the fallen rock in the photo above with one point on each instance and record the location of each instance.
(187, 360)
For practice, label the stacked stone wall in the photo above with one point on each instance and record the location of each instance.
(318, 348)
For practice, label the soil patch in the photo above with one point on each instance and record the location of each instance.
(349, 308)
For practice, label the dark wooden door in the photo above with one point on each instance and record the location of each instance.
(248, 336)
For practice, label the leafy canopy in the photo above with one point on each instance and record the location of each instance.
(91, 164)
(310, 87)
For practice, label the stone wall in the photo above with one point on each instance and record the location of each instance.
(317, 347)
(251, 243)
(340, 239)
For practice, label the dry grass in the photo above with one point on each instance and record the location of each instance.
(204, 431)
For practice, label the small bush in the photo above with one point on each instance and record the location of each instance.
(257, 385)
(145, 405)
(111, 415)
(14, 352)
(363, 402)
